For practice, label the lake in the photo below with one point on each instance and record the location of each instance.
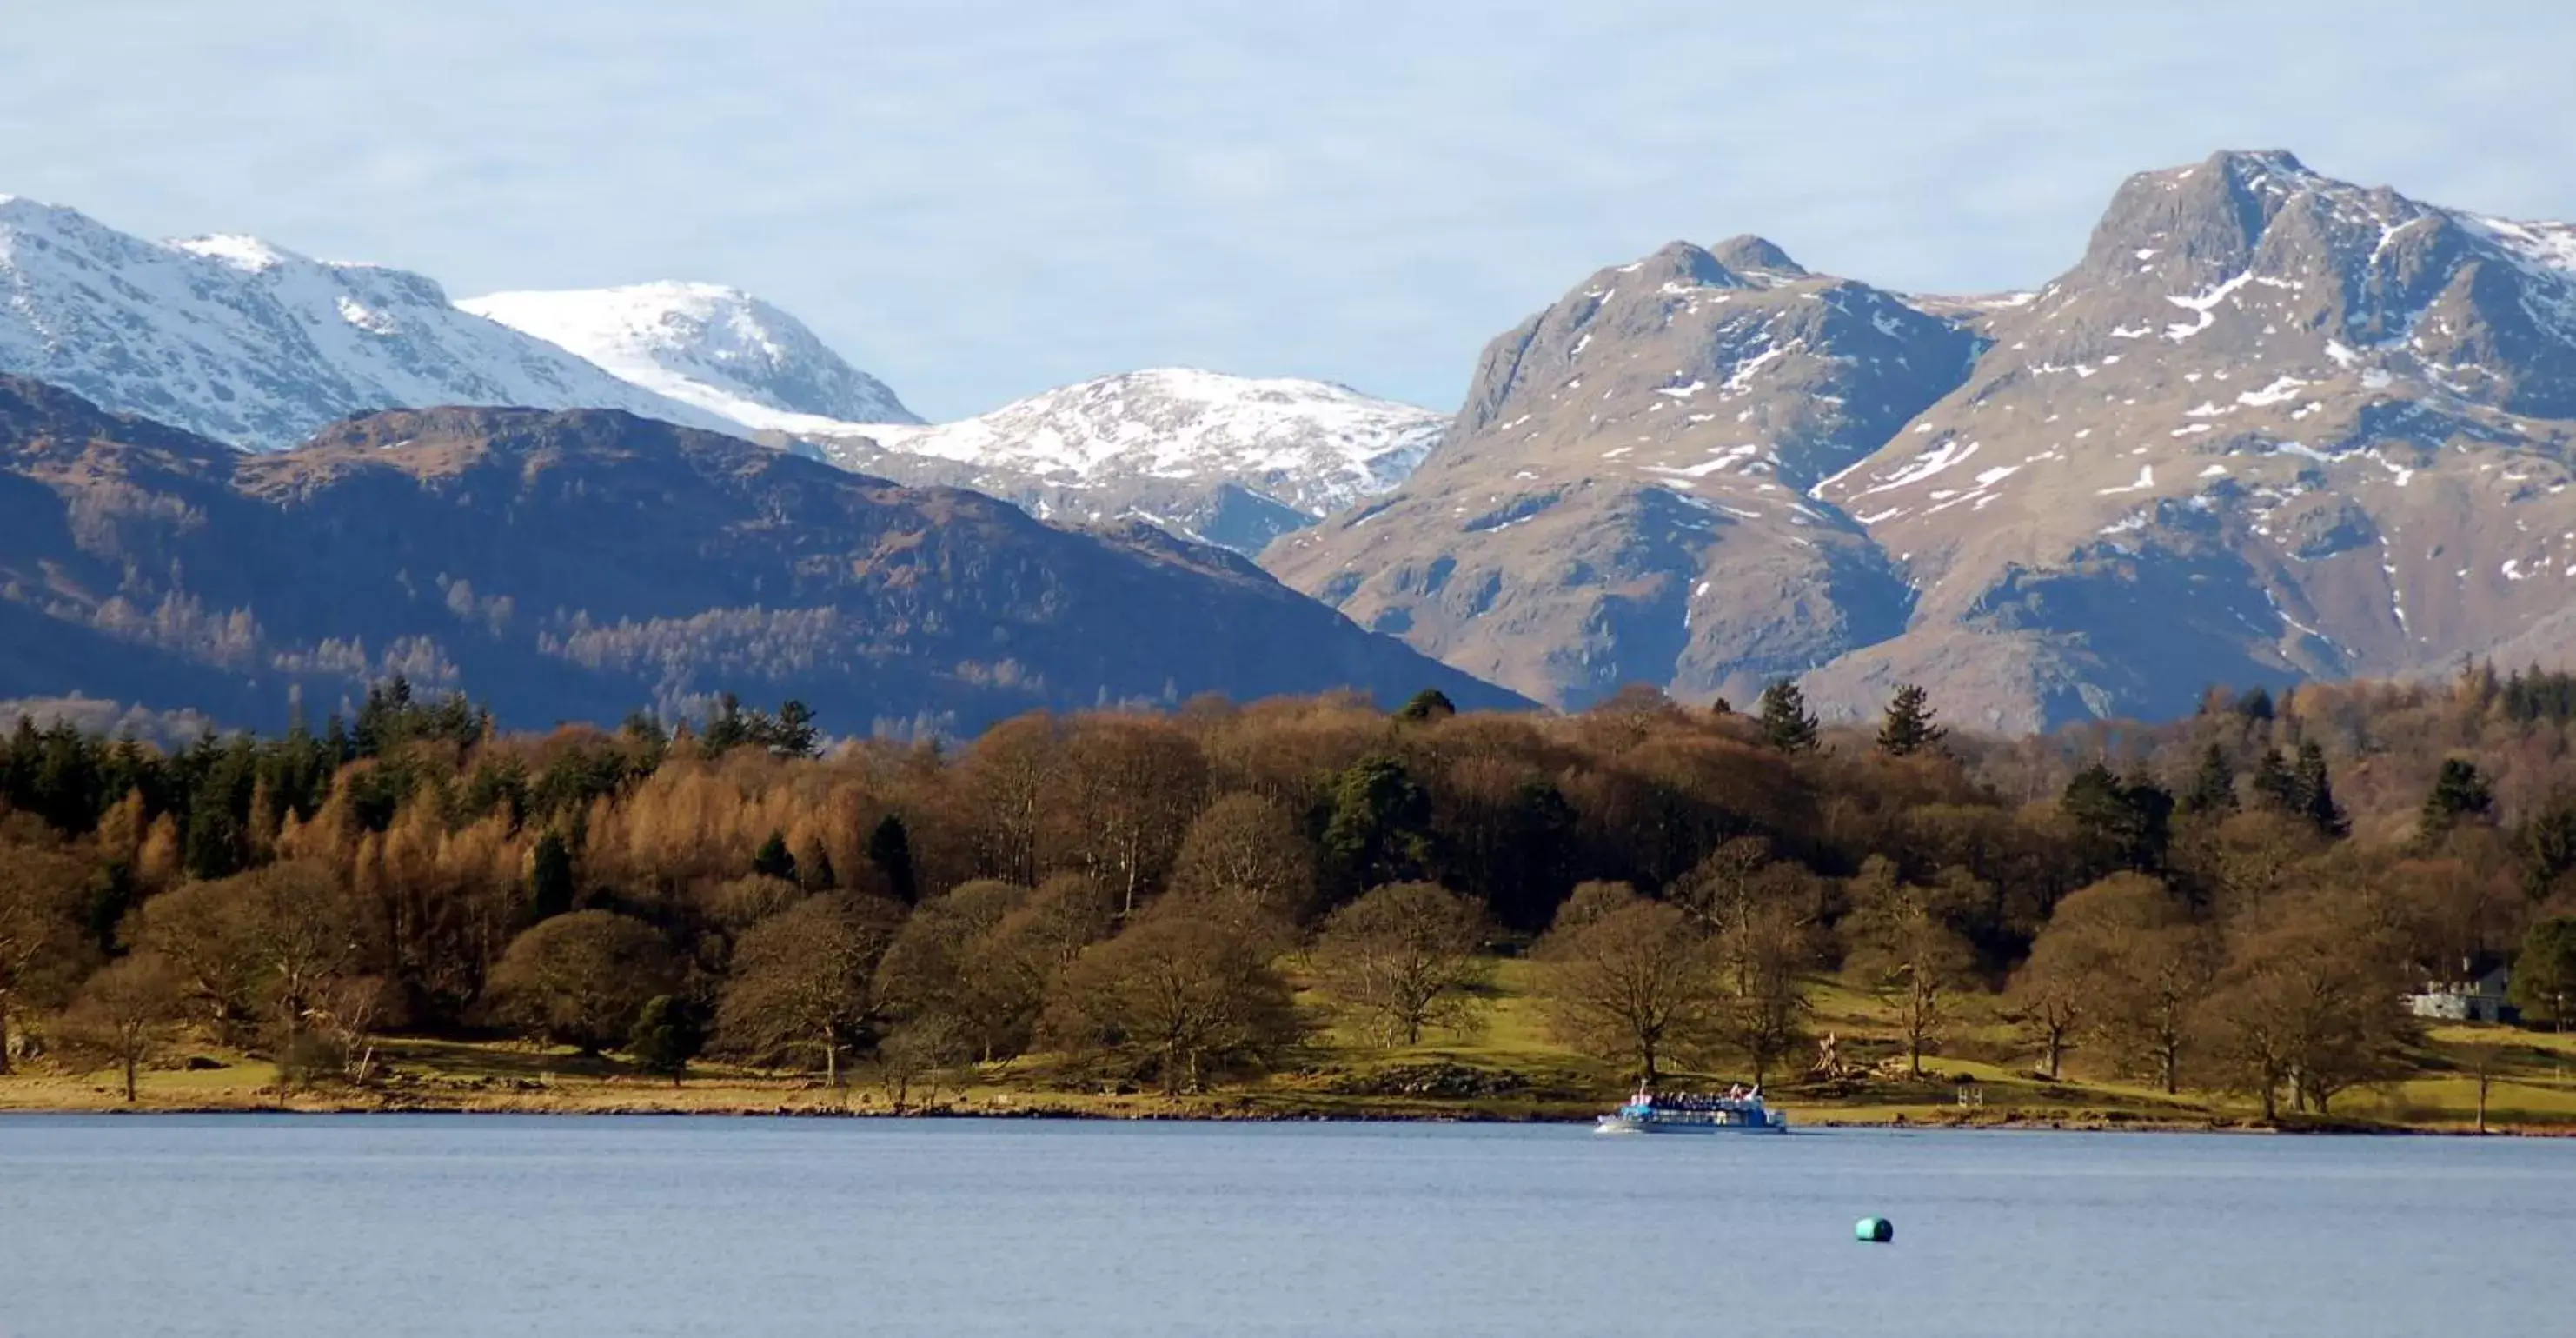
(386, 1225)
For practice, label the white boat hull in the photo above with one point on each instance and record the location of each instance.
(1774, 1123)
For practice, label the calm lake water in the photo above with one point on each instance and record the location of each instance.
(485, 1225)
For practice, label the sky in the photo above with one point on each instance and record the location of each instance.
(980, 199)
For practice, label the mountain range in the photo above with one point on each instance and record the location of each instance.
(581, 564)
(2271, 426)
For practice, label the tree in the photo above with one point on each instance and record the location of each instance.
(1764, 951)
(1246, 847)
(1786, 725)
(1176, 995)
(793, 733)
(772, 860)
(2276, 787)
(890, 850)
(2212, 792)
(800, 980)
(664, 1038)
(2311, 999)
(1133, 783)
(550, 878)
(946, 965)
(2460, 792)
(1407, 955)
(125, 1013)
(1379, 830)
(1428, 704)
(40, 933)
(1629, 979)
(2050, 996)
(2144, 965)
(580, 979)
(2545, 844)
(1907, 728)
(2123, 824)
(1912, 956)
(267, 945)
(2313, 793)
(2544, 973)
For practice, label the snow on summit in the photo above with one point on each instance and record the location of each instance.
(252, 344)
(717, 348)
(1311, 445)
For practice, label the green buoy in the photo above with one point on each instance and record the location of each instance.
(1875, 1230)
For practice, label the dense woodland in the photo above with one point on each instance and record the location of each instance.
(2234, 902)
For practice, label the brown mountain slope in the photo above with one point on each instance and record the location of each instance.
(1621, 499)
(2272, 426)
(578, 565)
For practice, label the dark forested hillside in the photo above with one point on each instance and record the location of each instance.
(580, 565)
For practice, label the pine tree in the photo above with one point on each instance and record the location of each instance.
(664, 1039)
(773, 859)
(2314, 790)
(550, 878)
(794, 733)
(2275, 787)
(1908, 728)
(1379, 828)
(890, 849)
(2123, 823)
(1785, 722)
(1428, 704)
(2212, 792)
(2459, 791)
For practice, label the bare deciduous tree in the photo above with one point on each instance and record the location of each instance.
(1903, 938)
(2142, 962)
(1408, 956)
(1179, 995)
(1630, 979)
(578, 979)
(801, 980)
(40, 890)
(125, 1013)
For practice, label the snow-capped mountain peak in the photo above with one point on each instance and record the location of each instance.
(1312, 445)
(250, 343)
(703, 344)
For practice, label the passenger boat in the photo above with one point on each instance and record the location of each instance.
(1740, 1111)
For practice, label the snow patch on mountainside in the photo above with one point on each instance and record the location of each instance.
(1312, 445)
(717, 348)
(254, 345)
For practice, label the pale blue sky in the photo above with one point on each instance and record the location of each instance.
(978, 200)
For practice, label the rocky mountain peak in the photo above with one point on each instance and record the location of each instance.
(1757, 258)
(720, 349)
(254, 345)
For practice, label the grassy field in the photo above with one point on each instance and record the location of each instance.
(1509, 1068)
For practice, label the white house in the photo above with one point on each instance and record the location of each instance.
(2478, 1000)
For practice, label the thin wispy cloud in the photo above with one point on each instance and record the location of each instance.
(977, 201)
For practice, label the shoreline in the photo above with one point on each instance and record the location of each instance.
(1241, 1112)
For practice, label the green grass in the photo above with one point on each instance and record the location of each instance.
(1511, 1062)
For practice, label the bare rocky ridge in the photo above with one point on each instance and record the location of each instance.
(1623, 497)
(578, 565)
(2272, 426)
